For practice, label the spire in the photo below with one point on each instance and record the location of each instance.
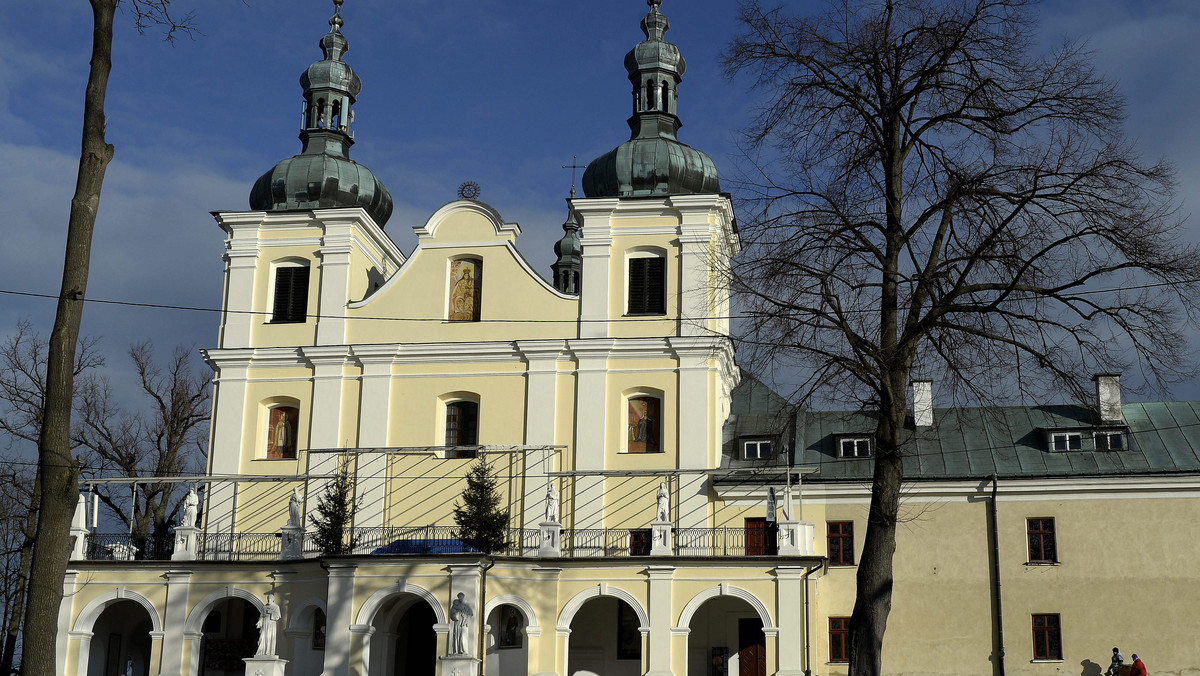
(569, 266)
(323, 175)
(653, 161)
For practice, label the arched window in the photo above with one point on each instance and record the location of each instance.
(336, 120)
(466, 290)
(643, 424)
(462, 423)
(646, 285)
(290, 302)
(666, 93)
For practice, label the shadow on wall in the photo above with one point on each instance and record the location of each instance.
(1090, 668)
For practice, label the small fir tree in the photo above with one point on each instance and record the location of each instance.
(335, 515)
(482, 524)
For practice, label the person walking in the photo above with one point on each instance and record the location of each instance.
(1114, 669)
(1139, 668)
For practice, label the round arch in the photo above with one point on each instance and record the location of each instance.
(366, 615)
(572, 607)
(87, 618)
(299, 612)
(531, 625)
(689, 610)
(195, 620)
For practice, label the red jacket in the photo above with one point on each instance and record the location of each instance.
(1138, 668)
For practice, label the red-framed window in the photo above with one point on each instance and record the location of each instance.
(840, 541)
(839, 639)
(1042, 546)
(1047, 638)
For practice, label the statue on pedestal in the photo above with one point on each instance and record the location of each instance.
(266, 627)
(294, 508)
(663, 513)
(551, 502)
(190, 503)
(460, 614)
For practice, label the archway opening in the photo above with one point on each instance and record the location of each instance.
(404, 642)
(230, 635)
(120, 641)
(308, 642)
(507, 643)
(726, 639)
(605, 639)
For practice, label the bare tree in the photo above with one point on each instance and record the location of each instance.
(57, 469)
(16, 533)
(933, 197)
(166, 441)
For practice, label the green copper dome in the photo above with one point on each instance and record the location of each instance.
(653, 161)
(323, 175)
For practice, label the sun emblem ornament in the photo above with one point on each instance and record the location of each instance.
(469, 190)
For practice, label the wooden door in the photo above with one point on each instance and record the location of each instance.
(761, 537)
(752, 648)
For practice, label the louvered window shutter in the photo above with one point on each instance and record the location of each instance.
(291, 295)
(647, 286)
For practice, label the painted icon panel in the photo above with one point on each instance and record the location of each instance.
(466, 286)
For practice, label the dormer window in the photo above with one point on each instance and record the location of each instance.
(854, 447)
(756, 449)
(1110, 441)
(1066, 441)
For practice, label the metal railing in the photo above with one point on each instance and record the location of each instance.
(715, 542)
(240, 546)
(127, 547)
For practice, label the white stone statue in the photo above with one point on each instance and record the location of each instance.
(191, 502)
(460, 615)
(664, 503)
(551, 502)
(787, 502)
(294, 508)
(266, 627)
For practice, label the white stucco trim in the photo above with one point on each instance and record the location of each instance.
(723, 589)
(520, 603)
(195, 620)
(572, 607)
(366, 615)
(87, 617)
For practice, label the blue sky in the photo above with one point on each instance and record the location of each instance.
(497, 92)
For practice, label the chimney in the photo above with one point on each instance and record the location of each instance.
(922, 394)
(1108, 397)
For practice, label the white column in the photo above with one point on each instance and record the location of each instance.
(339, 600)
(231, 414)
(334, 294)
(82, 644)
(696, 446)
(62, 641)
(541, 398)
(328, 390)
(660, 612)
(695, 290)
(241, 270)
(174, 619)
(789, 614)
(596, 245)
(590, 432)
(374, 400)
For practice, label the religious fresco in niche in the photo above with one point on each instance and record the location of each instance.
(281, 432)
(466, 285)
(643, 425)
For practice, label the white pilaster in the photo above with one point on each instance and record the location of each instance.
(591, 426)
(595, 240)
(697, 448)
(62, 641)
(789, 595)
(339, 601)
(231, 414)
(375, 399)
(334, 294)
(241, 269)
(659, 662)
(328, 390)
(174, 619)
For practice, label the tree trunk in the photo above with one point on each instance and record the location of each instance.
(57, 468)
(13, 626)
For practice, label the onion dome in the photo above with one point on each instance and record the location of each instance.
(569, 266)
(323, 175)
(652, 161)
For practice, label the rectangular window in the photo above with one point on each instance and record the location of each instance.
(647, 286)
(839, 639)
(291, 295)
(854, 447)
(1066, 441)
(762, 537)
(756, 449)
(840, 540)
(1042, 547)
(462, 424)
(1110, 441)
(1047, 639)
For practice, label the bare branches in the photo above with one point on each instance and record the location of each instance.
(157, 14)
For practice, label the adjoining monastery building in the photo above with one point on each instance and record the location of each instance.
(669, 515)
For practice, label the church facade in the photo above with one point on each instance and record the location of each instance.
(667, 514)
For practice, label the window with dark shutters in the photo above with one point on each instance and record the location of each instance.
(462, 423)
(291, 295)
(647, 286)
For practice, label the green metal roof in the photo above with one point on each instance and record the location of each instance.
(1012, 442)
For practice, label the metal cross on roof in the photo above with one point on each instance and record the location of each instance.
(573, 166)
